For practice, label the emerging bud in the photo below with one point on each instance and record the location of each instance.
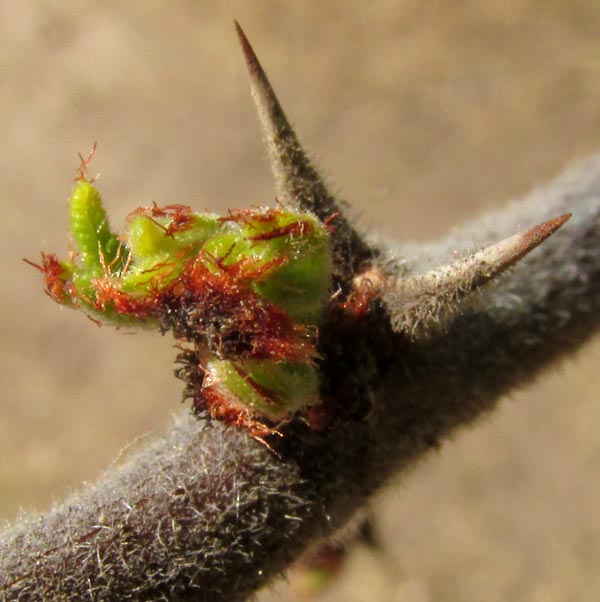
(248, 291)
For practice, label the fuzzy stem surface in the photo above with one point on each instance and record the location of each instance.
(208, 513)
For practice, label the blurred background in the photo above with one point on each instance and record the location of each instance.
(423, 114)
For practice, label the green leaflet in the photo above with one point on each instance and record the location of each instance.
(268, 389)
(97, 247)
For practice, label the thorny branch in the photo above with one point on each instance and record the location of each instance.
(208, 513)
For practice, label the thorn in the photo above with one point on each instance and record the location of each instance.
(298, 184)
(251, 60)
(427, 298)
(497, 258)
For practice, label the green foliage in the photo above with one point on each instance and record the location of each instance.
(247, 291)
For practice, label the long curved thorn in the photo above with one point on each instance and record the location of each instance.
(299, 185)
(426, 299)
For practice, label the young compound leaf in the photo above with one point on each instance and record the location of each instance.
(244, 295)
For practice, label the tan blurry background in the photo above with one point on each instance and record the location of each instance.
(423, 114)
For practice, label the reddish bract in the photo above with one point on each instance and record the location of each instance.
(221, 306)
(366, 287)
(55, 278)
(180, 217)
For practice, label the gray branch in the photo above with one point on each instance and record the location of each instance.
(209, 513)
